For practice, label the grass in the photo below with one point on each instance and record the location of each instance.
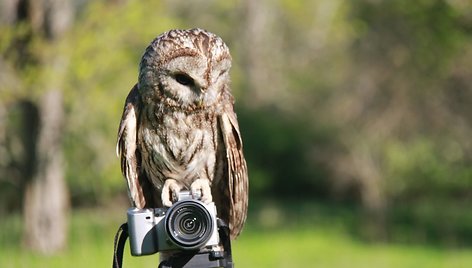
(266, 242)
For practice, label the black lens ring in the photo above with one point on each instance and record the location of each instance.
(177, 213)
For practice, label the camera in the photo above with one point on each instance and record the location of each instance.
(188, 224)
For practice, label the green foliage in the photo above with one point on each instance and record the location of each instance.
(417, 41)
(423, 169)
(271, 137)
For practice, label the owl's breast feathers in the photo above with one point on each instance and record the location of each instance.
(180, 146)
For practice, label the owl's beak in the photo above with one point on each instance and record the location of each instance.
(202, 86)
(199, 101)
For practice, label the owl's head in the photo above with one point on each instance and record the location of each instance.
(189, 69)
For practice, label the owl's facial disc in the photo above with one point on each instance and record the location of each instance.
(192, 80)
(189, 82)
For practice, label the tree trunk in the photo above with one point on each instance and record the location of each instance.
(46, 202)
(46, 199)
(261, 60)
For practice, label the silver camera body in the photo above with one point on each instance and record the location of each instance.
(188, 224)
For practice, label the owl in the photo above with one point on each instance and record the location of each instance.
(179, 131)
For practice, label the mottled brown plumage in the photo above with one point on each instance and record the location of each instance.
(179, 130)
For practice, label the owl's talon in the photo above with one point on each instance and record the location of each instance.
(201, 188)
(170, 192)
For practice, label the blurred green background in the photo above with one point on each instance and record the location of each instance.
(356, 119)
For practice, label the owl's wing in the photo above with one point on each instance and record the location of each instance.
(126, 147)
(236, 186)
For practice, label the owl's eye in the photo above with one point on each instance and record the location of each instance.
(184, 79)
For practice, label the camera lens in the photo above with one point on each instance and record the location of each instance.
(189, 224)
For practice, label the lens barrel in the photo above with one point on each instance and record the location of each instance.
(189, 224)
